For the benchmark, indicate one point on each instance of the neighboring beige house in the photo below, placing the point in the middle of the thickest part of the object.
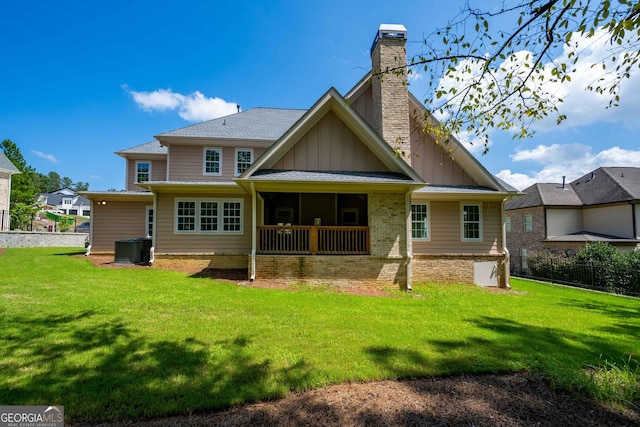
(6, 170)
(350, 191)
(601, 206)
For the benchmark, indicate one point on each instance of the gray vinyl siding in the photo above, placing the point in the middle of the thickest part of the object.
(563, 221)
(117, 221)
(168, 241)
(445, 230)
(615, 220)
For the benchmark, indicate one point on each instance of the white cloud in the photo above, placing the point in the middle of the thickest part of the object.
(570, 160)
(45, 156)
(194, 107)
(580, 105)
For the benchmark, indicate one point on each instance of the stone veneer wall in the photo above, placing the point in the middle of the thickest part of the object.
(5, 178)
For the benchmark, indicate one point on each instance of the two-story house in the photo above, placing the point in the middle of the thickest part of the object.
(352, 190)
(65, 201)
(7, 168)
(601, 206)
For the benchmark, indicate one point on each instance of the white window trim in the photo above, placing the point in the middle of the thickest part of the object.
(204, 161)
(235, 160)
(197, 230)
(480, 229)
(147, 223)
(136, 171)
(428, 225)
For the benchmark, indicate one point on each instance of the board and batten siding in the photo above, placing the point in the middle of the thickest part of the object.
(446, 235)
(158, 172)
(117, 221)
(330, 145)
(168, 241)
(615, 220)
(187, 162)
(563, 221)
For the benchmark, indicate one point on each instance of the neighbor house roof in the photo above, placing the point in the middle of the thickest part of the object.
(545, 194)
(583, 236)
(603, 185)
(6, 165)
(256, 124)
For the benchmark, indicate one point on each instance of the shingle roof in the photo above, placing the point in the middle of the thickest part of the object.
(603, 185)
(584, 236)
(331, 176)
(5, 164)
(608, 185)
(257, 123)
(152, 147)
(545, 194)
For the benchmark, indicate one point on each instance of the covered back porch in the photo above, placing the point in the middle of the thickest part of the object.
(312, 224)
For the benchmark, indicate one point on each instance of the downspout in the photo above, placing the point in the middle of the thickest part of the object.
(152, 251)
(254, 224)
(88, 252)
(408, 236)
(505, 250)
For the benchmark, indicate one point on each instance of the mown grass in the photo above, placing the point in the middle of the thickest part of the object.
(113, 344)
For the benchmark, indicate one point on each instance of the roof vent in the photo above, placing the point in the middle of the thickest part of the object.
(389, 31)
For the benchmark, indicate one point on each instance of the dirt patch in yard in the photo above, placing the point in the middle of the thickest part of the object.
(516, 399)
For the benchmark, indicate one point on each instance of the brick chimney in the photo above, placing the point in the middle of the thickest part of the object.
(389, 84)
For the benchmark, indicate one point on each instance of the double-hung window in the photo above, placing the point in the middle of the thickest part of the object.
(420, 221)
(209, 216)
(143, 171)
(212, 161)
(507, 224)
(527, 220)
(244, 158)
(471, 222)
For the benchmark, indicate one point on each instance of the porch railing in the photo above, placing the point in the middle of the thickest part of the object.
(312, 240)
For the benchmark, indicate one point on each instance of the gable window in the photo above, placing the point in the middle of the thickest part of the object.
(143, 171)
(67, 201)
(527, 220)
(149, 221)
(471, 222)
(420, 221)
(244, 158)
(507, 224)
(212, 164)
(209, 216)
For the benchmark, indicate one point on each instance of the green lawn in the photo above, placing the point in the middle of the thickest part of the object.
(113, 344)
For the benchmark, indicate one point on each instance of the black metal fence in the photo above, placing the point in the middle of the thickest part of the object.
(37, 223)
(4, 220)
(613, 278)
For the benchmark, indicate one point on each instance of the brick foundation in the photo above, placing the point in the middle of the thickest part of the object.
(343, 271)
(202, 261)
(452, 268)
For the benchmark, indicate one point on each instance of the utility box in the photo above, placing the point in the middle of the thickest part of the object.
(132, 251)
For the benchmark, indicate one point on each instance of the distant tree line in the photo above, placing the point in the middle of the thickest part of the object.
(29, 184)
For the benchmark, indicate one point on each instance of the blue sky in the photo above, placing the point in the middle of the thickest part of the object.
(81, 80)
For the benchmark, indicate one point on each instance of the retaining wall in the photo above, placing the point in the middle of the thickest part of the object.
(30, 239)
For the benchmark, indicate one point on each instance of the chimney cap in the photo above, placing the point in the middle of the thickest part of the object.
(389, 31)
